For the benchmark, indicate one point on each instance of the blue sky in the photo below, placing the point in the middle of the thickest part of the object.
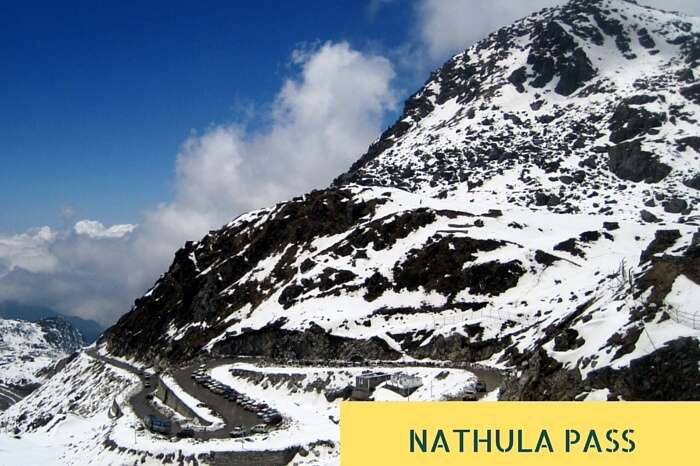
(97, 97)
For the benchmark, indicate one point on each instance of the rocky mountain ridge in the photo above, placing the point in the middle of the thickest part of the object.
(535, 207)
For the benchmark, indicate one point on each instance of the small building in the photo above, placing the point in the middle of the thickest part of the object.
(156, 424)
(404, 384)
(370, 380)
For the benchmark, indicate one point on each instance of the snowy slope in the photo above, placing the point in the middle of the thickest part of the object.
(520, 208)
(28, 347)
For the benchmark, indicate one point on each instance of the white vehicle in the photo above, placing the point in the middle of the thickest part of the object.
(259, 429)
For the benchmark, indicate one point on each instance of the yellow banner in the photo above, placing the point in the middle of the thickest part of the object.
(519, 433)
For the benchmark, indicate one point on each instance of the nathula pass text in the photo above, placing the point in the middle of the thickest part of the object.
(520, 441)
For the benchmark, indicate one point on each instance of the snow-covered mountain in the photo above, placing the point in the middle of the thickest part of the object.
(27, 352)
(535, 208)
(535, 202)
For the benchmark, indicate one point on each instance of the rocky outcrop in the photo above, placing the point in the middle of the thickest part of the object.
(663, 240)
(630, 122)
(629, 162)
(312, 343)
(543, 379)
(668, 374)
(440, 266)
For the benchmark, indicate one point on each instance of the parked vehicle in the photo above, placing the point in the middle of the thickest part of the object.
(239, 431)
(259, 429)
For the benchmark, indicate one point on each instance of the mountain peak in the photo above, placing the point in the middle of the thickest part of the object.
(610, 75)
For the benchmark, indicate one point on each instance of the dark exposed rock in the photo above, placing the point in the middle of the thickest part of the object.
(624, 342)
(640, 99)
(692, 93)
(629, 162)
(555, 53)
(645, 39)
(610, 226)
(589, 236)
(589, 162)
(543, 379)
(675, 205)
(667, 374)
(629, 122)
(544, 258)
(686, 76)
(61, 334)
(290, 294)
(384, 232)
(456, 347)
(648, 217)
(663, 272)
(331, 278)
(690, 141)
(663, 239)
(440, 266)
(691, 50)
(544, 199)
(313, 343)
(517, 78)
(693, 182)
(342, 393)
(570, 246)
(376, 285)
(568, 340)
(613, 27)
(307, 265)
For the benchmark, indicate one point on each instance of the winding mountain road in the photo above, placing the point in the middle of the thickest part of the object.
(139, 402)
(229, 412)
(232, 414)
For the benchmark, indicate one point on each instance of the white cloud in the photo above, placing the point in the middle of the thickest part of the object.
(95, 229)
(323, 119)
(28, 251)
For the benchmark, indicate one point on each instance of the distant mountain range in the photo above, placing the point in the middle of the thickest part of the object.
(27, 352)
(89, 329)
